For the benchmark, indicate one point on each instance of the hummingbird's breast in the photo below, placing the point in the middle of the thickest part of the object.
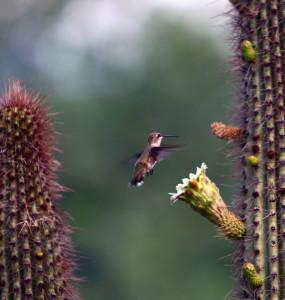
(146, 159)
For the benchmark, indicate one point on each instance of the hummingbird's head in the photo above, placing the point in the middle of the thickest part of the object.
(154, 139)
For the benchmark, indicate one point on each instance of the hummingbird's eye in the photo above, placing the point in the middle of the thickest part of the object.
(159, 135)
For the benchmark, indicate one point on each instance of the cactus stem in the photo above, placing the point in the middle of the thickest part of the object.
(259, 233)
(3, 248)
(35, 249)
(271, 177)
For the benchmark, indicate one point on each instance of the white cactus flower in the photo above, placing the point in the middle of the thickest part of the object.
(180, 188)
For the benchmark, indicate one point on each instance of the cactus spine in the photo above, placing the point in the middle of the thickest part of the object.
(36, 254)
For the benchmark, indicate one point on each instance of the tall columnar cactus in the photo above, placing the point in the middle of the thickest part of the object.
(259, 149)
(36, 254)
(260, 53)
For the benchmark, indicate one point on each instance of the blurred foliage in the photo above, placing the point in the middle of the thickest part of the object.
(134, 244)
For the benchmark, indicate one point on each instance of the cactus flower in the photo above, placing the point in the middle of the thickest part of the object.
(222, 131)
(204, 197)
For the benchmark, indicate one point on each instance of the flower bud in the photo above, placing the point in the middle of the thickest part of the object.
(252, 160)
(204, 197)
(222, 131)
(251, 275)
(248, 51)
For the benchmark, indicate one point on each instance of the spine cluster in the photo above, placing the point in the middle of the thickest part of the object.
(260, 151)
(36, 254)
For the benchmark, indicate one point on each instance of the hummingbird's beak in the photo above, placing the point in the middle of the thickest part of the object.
(167, 135)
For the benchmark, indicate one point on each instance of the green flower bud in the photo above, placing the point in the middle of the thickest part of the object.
(204, 197)
(252, 160)
(251, 275)
(248, 51)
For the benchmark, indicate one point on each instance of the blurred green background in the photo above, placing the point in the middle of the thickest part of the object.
(120, 70)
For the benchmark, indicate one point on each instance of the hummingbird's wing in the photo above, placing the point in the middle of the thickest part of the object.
(162, 152)
(156, 154)
(133, 159)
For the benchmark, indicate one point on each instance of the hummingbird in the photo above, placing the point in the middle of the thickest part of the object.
(153, 153)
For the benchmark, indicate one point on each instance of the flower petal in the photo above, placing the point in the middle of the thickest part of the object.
(185, 181)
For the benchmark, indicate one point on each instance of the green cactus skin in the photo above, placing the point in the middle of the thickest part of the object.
(36, 254)
(260, 115)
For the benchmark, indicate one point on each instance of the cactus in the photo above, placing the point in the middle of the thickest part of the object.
(36, 253)
(260, 29)
(259, 149)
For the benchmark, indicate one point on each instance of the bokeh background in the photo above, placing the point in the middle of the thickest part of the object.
(120, 69)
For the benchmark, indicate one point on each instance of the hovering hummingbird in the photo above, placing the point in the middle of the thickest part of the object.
(153, 153)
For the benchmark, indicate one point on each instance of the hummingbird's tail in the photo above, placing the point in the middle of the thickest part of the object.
(138, 177)
(137, 180)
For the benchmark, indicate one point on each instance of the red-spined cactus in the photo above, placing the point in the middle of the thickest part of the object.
(36, 253)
